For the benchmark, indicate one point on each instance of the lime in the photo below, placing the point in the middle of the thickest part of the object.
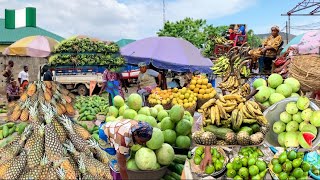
(251, 161)
(221, 159)
(243, 172)
(231, 173)
(210, 169)
(236, 164)
(199, 150)
(282, 157)
(218, 155)
(253, 170)
(197, 160)
(292, 155)
(300, 155)
(214, 151)
(305, 166)
(297, 162)
(261, 165)
(275, 161)
(218, 165)
(297, 173)
(244, 162)
(237, 177)
(256, 177)
(229, 166)
(202, 156)
(283, 176)
(287, 167)
(211, 150)
(277, 168)
(214, 159)
(292, 178)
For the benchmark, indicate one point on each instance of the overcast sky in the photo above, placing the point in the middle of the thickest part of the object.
(136, 19)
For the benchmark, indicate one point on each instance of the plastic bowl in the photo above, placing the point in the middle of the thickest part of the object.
(155, 174)
(273, 115)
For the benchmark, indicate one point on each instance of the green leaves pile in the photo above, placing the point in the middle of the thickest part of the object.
(84, 51)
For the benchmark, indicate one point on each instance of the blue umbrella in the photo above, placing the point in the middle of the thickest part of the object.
(295, 40)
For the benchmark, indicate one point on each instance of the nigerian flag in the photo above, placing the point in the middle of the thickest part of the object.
(20, 18)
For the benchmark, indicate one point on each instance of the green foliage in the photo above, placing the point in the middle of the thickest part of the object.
(253, 40)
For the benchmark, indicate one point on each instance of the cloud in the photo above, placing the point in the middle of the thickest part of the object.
(113, 20)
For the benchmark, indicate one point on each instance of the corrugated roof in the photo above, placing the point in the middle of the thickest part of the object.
(9, 36)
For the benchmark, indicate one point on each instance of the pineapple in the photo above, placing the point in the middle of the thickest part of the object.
(69, 172)
(34, 115)
(49, 172)
(70, 109)
(48, 84)
(11, 150)
(4, 167)
(25, 112)
(85, 174)
(40, 96)
(71, 95)
(47, 95)
(67, 98)
(35, 152)
(35, 173)
(16, 167)
(24, 97)
(62, 135)
(53, 147)
(79, 143)
(32, 88)
(82, 132)
(16, 112)
(98, 152)
(94, 167)
(63, 109)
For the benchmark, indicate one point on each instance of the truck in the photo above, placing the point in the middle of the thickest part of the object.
(78, 78)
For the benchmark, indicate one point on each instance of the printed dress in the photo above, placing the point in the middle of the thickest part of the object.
(113, 83)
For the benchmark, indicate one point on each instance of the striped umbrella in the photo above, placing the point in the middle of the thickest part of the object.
(33, 46)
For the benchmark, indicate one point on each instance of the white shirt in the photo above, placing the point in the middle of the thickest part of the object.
(23, 76)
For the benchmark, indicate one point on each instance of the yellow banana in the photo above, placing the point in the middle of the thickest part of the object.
(217, 116)
(213, 115)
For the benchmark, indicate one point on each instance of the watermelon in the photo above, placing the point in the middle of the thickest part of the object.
(305, 139)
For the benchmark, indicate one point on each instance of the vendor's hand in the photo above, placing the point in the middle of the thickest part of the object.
(206, 161)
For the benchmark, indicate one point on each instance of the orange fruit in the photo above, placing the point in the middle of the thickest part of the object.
(208, 91)
(192, 87)
(205, 81)
(193, 82)
(196, 90)
(199, 81)
(203, 87)
(202, 91)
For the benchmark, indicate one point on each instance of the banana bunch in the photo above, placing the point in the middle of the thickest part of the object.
(230, 84)
(221, 65)
(220, 40)
(243, 90)
(237, 62)
(245, 71)
(231, 111)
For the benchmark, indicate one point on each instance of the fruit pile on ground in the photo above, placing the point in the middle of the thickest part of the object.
(94, 130)
(153, 156)
(3, 108)
(276, 89)
(52, 147)
(159, 96)
(297, 125)
(42, 92)
(201, 87)
(7, 132)
(290, 165)
(175, 123)
(233, 121)
(89, 106)
(247, 168)
(184, 97)
(218, 160)
(251, 151)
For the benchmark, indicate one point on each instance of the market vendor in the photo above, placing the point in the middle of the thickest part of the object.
(269, 50)
(13, 91)
(147, 81)
(124, 134)
(112, 83)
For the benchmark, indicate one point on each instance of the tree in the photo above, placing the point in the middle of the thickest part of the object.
(253, 40)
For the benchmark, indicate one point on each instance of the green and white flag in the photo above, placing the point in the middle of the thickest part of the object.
(20, 18)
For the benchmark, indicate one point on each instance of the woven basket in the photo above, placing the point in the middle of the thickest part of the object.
(306, 69)
(167, 106)
(192, 109)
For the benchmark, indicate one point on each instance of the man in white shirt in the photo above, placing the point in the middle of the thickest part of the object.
(23, 77)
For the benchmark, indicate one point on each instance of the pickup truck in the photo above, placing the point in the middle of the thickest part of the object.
(78, 78)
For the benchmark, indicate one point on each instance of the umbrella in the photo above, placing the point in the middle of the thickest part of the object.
(124, 42)
(33, 46)
(307, 43)
(167, 53)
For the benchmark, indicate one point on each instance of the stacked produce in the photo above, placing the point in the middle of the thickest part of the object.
(232, 119)
(230, 84)
(246, 168)
(276, 89)
(185, 97)
(250, 151)
(218, 159)
(298, 124)
(209, 46)
(93, 131)
(43, 92)
(9, 131)
(159, 96)
(176, 167)
(3, 108)
(89, 106)
(201, 87)
(52, 146)
(244, 90)
(290, 165)
(84, 51)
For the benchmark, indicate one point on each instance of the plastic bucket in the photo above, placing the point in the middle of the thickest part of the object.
(155, 174)
(273, 115)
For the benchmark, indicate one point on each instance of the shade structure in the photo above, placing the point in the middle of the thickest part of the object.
(123, 42)
(307, 43)
(33, 46)
(167, 53)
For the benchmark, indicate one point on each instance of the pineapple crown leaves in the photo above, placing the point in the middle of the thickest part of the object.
(61, 173)
(44, 161)
(69, 146)
(48, 115)
(67, 123)
(33, 110)
(41, 130)
(81, 165)
(93, 143)
(27, 131)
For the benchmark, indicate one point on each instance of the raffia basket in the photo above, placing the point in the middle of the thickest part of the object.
(306, 69)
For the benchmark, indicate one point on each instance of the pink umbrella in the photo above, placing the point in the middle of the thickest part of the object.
(33, 46)
(309, 43)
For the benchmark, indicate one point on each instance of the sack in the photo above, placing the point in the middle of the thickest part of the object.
(280, 61)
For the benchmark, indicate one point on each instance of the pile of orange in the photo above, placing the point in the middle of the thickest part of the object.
(184, 97)
(202, 88)
(159, 96)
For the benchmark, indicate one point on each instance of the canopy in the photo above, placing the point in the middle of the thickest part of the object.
(33, 46)
(307, 43)
(167, 53)
(124, 42)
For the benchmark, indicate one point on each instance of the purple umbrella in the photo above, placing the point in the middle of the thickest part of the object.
(167, 53)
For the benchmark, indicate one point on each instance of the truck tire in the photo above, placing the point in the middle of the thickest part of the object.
(82, 90)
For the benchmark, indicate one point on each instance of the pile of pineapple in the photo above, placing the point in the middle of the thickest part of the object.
(202, 88)
(159, 96)
(52, 146)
